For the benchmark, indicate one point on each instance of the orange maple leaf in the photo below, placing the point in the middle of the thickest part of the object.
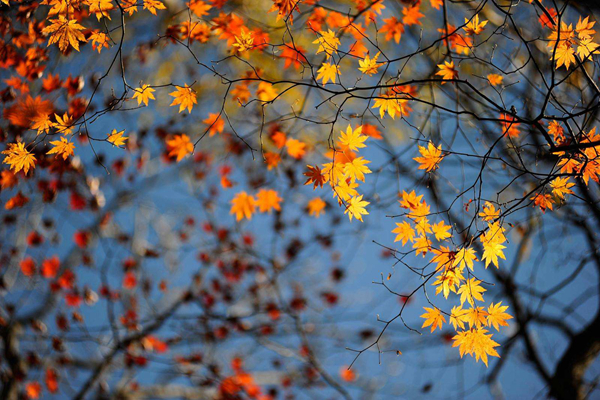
(243, 206)
(180, 146)
(285, 8)
(393, 29)
(267, 200)
(543, 201)
(431, 157)
(215, 123)
(412, 15)
(295, 148)
(65, 32)
(185, 97)
(447, 71)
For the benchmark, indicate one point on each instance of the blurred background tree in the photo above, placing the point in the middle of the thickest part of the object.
(299, 199)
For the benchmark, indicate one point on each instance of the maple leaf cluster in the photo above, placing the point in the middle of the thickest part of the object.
(344, 172)
(244, 205)
(565, 42)
(450, 266)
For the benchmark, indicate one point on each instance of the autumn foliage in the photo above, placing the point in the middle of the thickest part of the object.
(171, 170)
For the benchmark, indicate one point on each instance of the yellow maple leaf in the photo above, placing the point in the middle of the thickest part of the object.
(143, 94)
(62, 148)
(42, 123)
(334, 171)
(564, 55)
(566, 36)
(328, 72)
(410, 200)
(243, 206)
(476, 317)
(419, 212)
(65, 32)
(353, 139)
(245, 41)
(58, 7)
(448, 280)
(476, 342)
(267, 200)
(474, 27)
(389, 103)
(457, 317)
(185, 97)
(419, 217)
(117, 138)
(129, 6)
(328, 43)
(587, 47)
(440, 231)
(357, 168)
(492, 241)
(491, 252)
(356, 208)
(561, 186)
(465, 257)
(470, 291)
(405, 232)
(18, 157)
(180, 146)
(489, 212)
(496, 315)
(447, 71)
(584, 27)
(99, 40)
(153, 5)
(422, 224)
(368, 66)
(443, 257)
(63, 124)
(431, 157)
(422, 245)
(556, 130)
(495, 79)
(100, 7)
(434, 318)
